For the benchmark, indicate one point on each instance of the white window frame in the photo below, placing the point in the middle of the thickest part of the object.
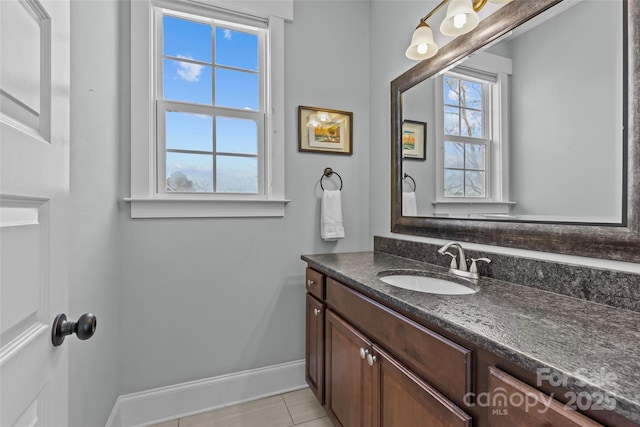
(163, 106)
(146, 199)
(496, 138)
(485, 139)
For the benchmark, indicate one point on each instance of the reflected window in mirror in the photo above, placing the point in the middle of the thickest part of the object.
(466, 136)
(472, 138)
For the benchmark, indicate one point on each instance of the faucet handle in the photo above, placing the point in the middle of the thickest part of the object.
(474, 267)
(454, 263)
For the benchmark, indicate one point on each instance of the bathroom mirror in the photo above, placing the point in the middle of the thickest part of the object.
(590, 210)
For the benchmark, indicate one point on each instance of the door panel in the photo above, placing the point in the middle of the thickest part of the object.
(516, 403)
(403, 399)
(348, 377)
(34, 191)
(315, 347)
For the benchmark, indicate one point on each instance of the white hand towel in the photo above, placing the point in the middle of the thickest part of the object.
(409, 206)
(331, 227)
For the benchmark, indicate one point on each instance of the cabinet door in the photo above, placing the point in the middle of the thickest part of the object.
(403, 399)
(314, 361)
(514, 403)
(348, 376)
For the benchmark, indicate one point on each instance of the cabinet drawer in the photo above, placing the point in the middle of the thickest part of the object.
(516, 403)
(315, 283)
(443, 363)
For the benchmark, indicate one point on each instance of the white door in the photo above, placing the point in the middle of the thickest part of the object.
(34, 192)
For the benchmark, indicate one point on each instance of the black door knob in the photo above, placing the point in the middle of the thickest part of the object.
(84, 328)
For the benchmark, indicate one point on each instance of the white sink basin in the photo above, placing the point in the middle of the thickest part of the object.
(429, 285)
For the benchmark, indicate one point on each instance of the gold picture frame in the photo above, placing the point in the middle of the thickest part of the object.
(414, 140)
(323, 130)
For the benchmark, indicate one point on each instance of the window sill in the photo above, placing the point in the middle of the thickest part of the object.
(469, 207)
(202, 208)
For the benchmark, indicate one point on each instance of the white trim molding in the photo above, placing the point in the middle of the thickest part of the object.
(202, 208)
(260, 8)
(180, 400)
(146, 201)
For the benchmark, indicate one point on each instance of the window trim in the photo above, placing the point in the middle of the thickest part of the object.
(497, 199)
(146, 201)
(486, 139)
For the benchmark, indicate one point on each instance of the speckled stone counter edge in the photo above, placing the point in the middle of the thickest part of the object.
(612, 288)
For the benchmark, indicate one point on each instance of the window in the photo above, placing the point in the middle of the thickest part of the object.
(472, 147)
(466, 140)
(210, 110)
(207, 132)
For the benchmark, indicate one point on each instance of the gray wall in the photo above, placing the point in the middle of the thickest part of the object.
(207, 297)
(418, 104)
(95, 236)
(566, 126)
(180, 300)
(387, 62)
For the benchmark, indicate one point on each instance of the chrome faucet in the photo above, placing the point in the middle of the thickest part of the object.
(460, 268)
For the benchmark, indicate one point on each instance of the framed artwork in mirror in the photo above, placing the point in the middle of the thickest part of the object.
(325, 131)
(414, 140)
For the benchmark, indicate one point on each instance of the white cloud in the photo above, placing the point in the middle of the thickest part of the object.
(227, 34)
(188, 71)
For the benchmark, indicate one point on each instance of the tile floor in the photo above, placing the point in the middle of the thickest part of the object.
(297, 408)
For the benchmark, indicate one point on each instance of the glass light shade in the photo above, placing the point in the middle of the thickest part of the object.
(323, 116)
(312, 121)
(422, 37)
(459, 7)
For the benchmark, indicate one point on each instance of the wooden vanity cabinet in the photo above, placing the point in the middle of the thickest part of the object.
(315, 283)
(348, 377)
(514, 403)
(401, 398)
(371, 366)
(368, 387)
(441, 362)
(314, 352)
(314, 342)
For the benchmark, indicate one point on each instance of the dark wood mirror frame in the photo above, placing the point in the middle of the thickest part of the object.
(615, 242)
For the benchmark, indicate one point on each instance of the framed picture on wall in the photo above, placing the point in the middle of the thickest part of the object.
(324, 130)
(414, 140)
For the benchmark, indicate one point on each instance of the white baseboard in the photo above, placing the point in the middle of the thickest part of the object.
(180, 400)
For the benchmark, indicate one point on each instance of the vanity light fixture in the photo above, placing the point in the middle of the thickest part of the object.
(422, 45)
(317, 119)
(312, 121)
(323, 116)
(462, 17)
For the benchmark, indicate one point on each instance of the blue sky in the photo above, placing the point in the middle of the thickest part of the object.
(191, 82)
(189, 75)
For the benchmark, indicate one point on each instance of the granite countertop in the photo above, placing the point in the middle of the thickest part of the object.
(594, 348)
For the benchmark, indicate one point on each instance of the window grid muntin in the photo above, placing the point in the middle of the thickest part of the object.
(484, 140)
(163, 106)
(465, 169)
(485, 103)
